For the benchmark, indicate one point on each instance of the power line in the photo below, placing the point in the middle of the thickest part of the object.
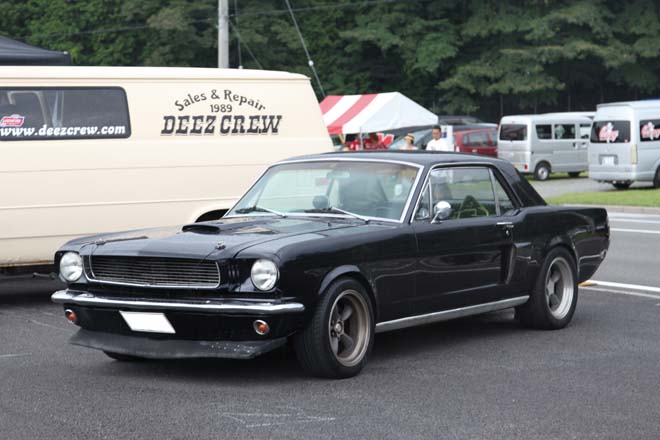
(302, 40)
(240, 40)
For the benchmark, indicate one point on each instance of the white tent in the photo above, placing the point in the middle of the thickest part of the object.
(350, 114)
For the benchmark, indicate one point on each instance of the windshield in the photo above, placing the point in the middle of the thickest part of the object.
(363, 188)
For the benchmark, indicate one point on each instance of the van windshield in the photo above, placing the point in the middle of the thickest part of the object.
(513, 132)
(611, 132)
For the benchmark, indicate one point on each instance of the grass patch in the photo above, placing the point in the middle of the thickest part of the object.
(557, 176)
(630, 197)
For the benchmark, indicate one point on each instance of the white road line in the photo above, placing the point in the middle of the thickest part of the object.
(14, 355)
(640, 231)
(621, 292)
(624, 286)
(630, 220)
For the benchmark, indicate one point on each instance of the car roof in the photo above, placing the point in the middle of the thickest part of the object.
(424, 158)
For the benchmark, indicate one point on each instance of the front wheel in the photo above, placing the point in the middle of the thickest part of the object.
(339, 337)
(542, 171)
(552, 303)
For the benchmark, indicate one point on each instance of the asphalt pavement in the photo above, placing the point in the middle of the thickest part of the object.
(476, 378)
(557, 186)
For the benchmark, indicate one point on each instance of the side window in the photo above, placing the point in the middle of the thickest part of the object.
(585, 130)
(564, 131)
(469, 192)
(46, 113)
(503, 199)
(649, 130)
(543, 132)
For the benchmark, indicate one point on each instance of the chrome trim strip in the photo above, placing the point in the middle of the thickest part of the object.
(404, 212)
(445, 315)
(93, 279)
(87, 299)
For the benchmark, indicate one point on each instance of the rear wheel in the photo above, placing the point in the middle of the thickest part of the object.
(574, 174)
(621, 185)
(542, 171)
(123, 357)
(338, 339)
(656, 179)
(552, 303)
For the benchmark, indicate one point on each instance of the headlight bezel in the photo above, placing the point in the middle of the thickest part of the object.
(264, 267)
(74, 260)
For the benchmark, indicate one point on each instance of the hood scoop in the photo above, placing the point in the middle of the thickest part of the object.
(201, 228)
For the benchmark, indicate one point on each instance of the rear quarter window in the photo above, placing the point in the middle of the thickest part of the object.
(649, 130)
(48, 113)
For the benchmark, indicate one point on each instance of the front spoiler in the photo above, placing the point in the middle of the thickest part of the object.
(144, 347)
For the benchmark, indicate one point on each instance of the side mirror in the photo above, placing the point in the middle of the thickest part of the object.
(441, 211)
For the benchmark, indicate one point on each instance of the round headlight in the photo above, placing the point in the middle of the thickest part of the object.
(264, 274)
(71, 266)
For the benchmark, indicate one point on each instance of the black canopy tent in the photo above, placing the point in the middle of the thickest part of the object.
(15, 53)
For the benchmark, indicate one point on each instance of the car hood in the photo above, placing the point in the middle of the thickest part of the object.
(218, 239)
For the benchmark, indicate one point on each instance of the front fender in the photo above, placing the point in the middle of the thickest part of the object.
(354, 271)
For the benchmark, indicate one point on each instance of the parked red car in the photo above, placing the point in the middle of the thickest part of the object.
(480, 141)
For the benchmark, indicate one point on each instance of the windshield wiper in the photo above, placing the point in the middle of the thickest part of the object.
(340, 211)
(256, 208)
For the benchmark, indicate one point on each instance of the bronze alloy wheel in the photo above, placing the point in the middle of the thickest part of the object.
(349, 328)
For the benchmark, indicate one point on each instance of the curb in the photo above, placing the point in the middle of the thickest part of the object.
(628, 209)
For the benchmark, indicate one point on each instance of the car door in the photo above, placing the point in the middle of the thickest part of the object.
(465, 258)
(566, 147)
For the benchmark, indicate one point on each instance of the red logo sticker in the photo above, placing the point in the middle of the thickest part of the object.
(650, 132)
(12, 121)
(607, 133)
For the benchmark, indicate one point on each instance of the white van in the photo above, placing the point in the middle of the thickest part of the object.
(625, 143)
(87, 150)
(544, 144)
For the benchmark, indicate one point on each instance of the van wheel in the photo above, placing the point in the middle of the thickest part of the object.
(339, 337)
(552, 303)
(213, 215)
(542, 171)
(656, 179)
(574, 174)
(623, 185)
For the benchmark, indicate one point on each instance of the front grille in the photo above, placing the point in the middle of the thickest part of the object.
(153, 271)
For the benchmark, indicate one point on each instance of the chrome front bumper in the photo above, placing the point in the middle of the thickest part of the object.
(86, 299)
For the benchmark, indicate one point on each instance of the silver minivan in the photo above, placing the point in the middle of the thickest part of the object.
(625, 143)
(544, 144)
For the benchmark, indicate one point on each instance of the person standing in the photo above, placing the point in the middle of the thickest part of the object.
(438, 143)
(409, 140)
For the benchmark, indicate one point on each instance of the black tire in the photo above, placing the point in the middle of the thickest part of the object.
(123, 357)
(537, 312)
(542, 171)
(621, 185)
(313, 345)
(574, 174)
(656, 178)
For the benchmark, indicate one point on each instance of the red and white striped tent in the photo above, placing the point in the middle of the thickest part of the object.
(351, 114)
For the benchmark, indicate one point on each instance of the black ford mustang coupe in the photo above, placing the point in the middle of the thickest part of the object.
(327, 251)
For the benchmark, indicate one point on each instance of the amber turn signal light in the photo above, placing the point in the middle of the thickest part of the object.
(261, 327)
(71, 316)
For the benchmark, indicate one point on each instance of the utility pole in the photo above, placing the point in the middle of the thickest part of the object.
(223, 33)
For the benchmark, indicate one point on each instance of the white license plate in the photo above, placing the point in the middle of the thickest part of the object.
(148, 322)
(607, 160)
